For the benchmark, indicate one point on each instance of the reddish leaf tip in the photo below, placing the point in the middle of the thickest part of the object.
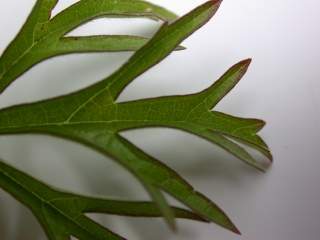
(246, 62)
(236, 230)
(216, 2)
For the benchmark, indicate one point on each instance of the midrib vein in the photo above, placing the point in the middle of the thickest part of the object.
(44, 201)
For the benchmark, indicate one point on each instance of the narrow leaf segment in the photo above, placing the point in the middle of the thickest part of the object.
(43, 37)
(62, 214)
(94, 118)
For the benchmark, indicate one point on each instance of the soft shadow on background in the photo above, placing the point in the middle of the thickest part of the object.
(78, 169)
(282, 87)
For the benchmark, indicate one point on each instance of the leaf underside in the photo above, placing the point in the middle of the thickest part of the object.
(93, 117)
(62, 214)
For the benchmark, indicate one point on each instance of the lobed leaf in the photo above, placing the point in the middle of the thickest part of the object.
(62, 214)
(93, 118)
(42, 37)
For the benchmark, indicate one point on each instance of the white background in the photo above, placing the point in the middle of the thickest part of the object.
(282, 87)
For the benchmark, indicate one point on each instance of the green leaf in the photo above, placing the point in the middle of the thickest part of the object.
(42, 37)
(62, 214)
(93, 117)
(106, 43)
(162, 204)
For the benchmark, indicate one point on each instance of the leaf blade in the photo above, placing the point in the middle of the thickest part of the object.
(93, 118)
(163, 205)
(39, 36)
(53, 208)
(70, 18)
(103, 43)
(182, 28)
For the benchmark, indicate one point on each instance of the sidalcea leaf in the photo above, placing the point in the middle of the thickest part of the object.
(62, 214)
(93, 117)
(43, 37)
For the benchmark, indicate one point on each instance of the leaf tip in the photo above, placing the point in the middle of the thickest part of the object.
(216, 2)
(245, 63)
(242, 67)
(171, 223)
(232, 227)
(270, 156)
(180, 48)
(235, 230)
